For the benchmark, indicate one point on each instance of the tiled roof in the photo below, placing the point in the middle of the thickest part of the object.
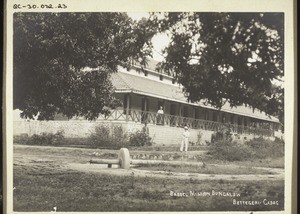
(119, 82)
(127, 81)
(247, 111)
(142, 85)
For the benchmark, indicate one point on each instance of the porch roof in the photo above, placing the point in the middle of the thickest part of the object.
(130, 83)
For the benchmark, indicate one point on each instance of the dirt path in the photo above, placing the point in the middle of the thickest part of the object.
(102, 169)
(51, 159)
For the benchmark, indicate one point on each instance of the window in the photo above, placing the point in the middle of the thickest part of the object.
(239, 121)
(223, 118)
(161, 77)
(145, 106)
(185, 111)
(232, 119)
(173, 109)
(215, 116)
(173, 112)
(197, 115)
(206, 115)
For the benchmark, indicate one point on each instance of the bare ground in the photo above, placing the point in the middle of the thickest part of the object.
(47, 177)
(45, 159)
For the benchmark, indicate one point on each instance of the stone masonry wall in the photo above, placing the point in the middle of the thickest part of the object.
(160, 134)
(173, 135)
(81, 128)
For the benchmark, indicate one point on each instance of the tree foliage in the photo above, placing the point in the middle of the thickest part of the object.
(217, 57)
(53, 50)
(226, 57)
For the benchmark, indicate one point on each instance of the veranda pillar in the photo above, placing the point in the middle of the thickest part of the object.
(127, 106)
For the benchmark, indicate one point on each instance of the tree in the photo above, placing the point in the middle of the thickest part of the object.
(53, 50)
(226, 57)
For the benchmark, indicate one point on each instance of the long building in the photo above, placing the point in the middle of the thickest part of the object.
(144, 91)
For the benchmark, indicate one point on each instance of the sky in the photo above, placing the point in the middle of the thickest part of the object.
(159, 41)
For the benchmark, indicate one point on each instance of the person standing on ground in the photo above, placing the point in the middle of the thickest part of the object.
(185, 139)
(146, 129)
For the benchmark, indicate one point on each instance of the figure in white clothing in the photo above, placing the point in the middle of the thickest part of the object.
(160, 116)
(185, 139)
(160, 110)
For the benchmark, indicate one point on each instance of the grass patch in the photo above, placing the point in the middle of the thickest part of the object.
(95, 192)
(206, 169)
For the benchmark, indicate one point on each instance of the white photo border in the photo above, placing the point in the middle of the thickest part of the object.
(285, 6)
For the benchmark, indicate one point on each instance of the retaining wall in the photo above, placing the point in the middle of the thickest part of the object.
(81, 128)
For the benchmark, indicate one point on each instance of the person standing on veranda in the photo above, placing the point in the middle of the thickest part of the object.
(185, 139)
(160, 116)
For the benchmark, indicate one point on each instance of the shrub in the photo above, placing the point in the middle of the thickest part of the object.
(100, 136)
(116, 137)
(199, 138)
(47, 138)
(21, 139)
(257, 148)
(119, 136)
(103, 136)
(223, 134)
(229, 151)
(263, 148)
(41, 139)
(140, 138)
